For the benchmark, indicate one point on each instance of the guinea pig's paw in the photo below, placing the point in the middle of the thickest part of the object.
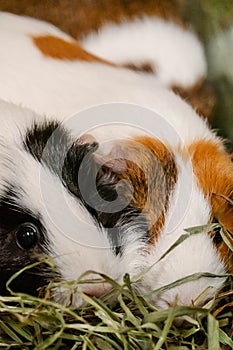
(191, 274)
(196, 292)
(189, 294)
(75, 294)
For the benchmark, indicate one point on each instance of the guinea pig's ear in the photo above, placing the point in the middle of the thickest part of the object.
(93, 175)
(117, 161)
(115, 155)
(148, 171)
(115, 164)
(112, 160)
(85, 139)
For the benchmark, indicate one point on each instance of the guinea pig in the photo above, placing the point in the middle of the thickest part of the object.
(103, 169)
(150, 36)
(167, 49)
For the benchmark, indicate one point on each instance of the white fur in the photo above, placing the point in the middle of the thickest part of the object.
(188, 208)
(195, 255)
(175, 53)
(69, 87)
(61, 88)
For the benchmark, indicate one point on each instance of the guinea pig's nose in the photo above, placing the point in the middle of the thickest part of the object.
(97, 290)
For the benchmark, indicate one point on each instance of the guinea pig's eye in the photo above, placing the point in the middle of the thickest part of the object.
(217, 238)
(26, 236)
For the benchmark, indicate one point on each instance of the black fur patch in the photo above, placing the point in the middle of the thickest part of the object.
(37, 138)
(13, 258)
(100, 200)
(49, 143)
(52, 145)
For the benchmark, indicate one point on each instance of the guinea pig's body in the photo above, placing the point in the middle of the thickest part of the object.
(133, 129)
(150, 36)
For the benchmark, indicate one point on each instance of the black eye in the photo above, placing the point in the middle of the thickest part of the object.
(26, 236)
(217, 238)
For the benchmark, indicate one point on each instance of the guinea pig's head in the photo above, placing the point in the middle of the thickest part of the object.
(112, 212)
(49, 206)
(176, 189)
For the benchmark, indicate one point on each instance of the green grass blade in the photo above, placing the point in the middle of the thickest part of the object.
(213, 333)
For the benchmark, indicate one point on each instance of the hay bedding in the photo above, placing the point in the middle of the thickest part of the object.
(119, 320)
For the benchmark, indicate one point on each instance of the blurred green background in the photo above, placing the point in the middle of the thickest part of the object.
(213, 21)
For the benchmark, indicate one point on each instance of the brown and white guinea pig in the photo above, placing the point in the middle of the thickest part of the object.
(103, 169)
(154, 38)
(150, 36)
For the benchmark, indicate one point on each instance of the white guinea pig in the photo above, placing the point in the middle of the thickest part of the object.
(111, 187)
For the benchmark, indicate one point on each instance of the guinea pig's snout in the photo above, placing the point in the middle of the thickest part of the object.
(163, 303)
(96, 290)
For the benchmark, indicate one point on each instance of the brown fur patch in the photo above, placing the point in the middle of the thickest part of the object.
(214, 170)
(145, 67)
(153, 174)
(201, 96)
(79, 18)
(57, 48)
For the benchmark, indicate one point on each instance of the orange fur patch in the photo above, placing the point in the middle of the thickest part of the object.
(153, 174)
(214, 170)
(57, 48)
